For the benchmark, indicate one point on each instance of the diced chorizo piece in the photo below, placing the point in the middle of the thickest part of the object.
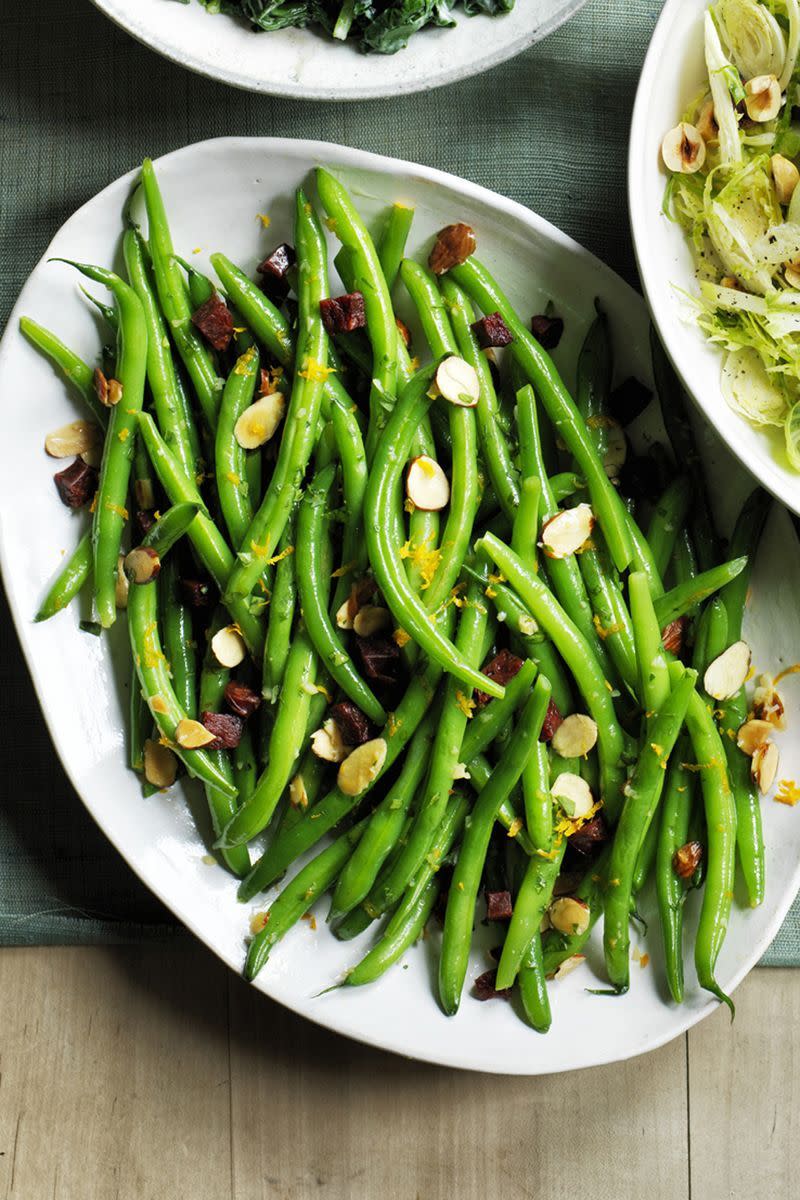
(353, 724)
(492, 331)
(343, 314)
(241, 699)
(501, 668)
(547, 330)
(227, 730)
(485, 989)
(499, 906)
(76, 484)
(215, 322)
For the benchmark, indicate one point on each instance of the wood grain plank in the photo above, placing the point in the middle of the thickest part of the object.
(745, 1093)
(314, 1115)
(114, 1074)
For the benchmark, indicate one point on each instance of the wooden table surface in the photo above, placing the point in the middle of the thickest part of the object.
(152, 1073)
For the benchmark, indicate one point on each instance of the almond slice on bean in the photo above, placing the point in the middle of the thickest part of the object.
(228, 646)
(458, 382)
(191, 735)
(79, 437)
(573, 794)
(726, 674)
(753, 734)
(575, 736)
(121, 584)
(345, 615)
(160, 764)
(569, 965)
(361, 766)
(764, 766)
(371, 619)
(298, 796)
(258, 423)
(327, 743)
(566, 532)
(427, 486)
(142, 564)
(568, 915)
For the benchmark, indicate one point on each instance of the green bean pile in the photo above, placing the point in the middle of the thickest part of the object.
(422, 632)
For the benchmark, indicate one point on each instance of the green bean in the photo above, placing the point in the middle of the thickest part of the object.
(593, 381)
(384, 826)
(75, 370)
(285, 744)
(179, 644)
(312, 584)
(281, 617)
(564, 416)
(579, 657)
(564, 573)
(533, 643)
(110, 513)
(151, 665)
(245, 766)
(463, 892)
(407, 609)
(170, 402)
(557, 948)
(393, 241)
(676, 804)
(334, 807)
(650, 653)
(642, 559)
(533, 987)
(175, 306)
(480, 770)
(611, 617)
(537, 798)
(298, 897)
(200, 287)
(642, 795)
(565, 484)
(674, 411)
(209, 544)
(530, 904)
(359, 919)
(667, 521)
(408, 920)
(749, 833)
(230, 460)
(352, 233)
(300, 424)
(645, 859)
(350, 448)
(685, 595)
(69, 580)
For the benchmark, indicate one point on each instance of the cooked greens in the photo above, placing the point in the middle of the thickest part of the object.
(380, 26)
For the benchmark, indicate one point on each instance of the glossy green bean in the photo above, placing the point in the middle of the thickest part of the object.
(69, 581)
(533, 987)
(281, 617)
(530, 904)
(393, 241)
(667, 521)
(651, 656)
(76, 372)
(686, 595)
(179, 644)
(230, 460)
(676, 805)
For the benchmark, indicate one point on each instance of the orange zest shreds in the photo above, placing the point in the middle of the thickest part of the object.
(750, 674)
(330, 223)
(788, 793)
(515, 827)
(608, 685)
(233, 478)
(158, 704)
(243, 364)
(344, 570)
(657, 750)
(414, 364)
(156, 515)
(460, 885)
(426, 559)
(490, 592)
(118, 509)
(165, 741)
(401, 637)
(392, 725)
(497, 577)
(93, 505)
(124, 434)
(569, 825)
(258, 921)
(315, 371)
(409, 505)
(312, 921)
(644, 960)
(550, 854)
(278, 557)
(793, 670)
(466, 704)
(264, 219)
(260, 551)
(323, 691)
(197, 250)
(603, 631)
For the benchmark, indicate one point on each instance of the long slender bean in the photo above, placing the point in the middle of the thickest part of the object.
(77, 373)
(676, 805)
(69, 581)
(230, 460)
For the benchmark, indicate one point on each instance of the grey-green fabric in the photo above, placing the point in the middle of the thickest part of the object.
(80, 103)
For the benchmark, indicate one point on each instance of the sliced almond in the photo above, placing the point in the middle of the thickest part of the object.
(764, 766)
(427, 486)
(753, 734)
(298, 796)
(160, 764)
(762, 98)
(575, 736)
(786, 177)
(726, 674)
(569, 965)
(616, 449)
(258, 423)
(228, 646)
(344, 615)
(142, 564)
(191, 735)
(767, 704)
(573, 794)
(569, 915)
(121, 584)
(327, 743)
(108, 391)
(458, 382)
(93, 457)
(371, 619)
(79, 437)
(683, 149)
(566, 532)
(361, 766)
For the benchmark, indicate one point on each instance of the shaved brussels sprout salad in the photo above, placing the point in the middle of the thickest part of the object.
(733, 174)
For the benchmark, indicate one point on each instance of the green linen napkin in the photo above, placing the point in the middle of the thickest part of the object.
(81, 103)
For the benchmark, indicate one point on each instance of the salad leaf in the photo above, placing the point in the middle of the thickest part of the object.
(751, 37)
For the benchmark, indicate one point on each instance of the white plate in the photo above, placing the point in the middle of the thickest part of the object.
(674, 72)
(214, 191)
(310, 65)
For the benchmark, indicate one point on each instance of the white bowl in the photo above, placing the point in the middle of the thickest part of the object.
(674, 72)
(310, 65)
(213, 192)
